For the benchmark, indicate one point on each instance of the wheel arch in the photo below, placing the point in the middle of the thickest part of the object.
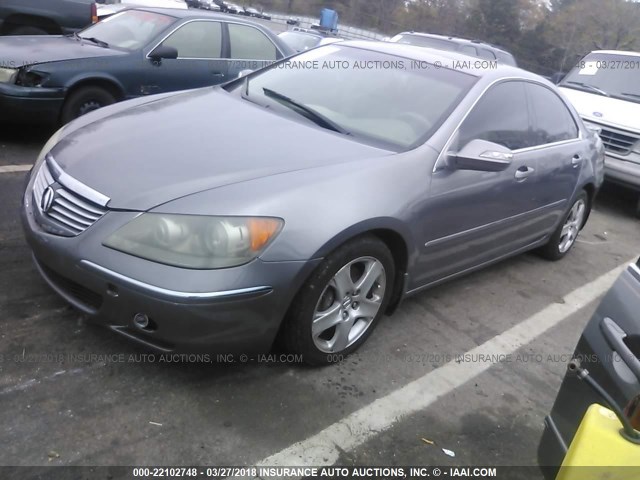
(592, 191)
(110, 84)
(394, 234)
(26, 20)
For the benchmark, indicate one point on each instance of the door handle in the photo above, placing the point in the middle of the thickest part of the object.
(217, 74)
(523, 172)
(615, 337)
(576, 160)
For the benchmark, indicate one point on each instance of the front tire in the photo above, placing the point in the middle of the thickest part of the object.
(564, 238)
(340, 304)
(85, 100)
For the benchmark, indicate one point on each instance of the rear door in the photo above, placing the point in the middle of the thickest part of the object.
(609, 349)
(249, 49)
(561, 151)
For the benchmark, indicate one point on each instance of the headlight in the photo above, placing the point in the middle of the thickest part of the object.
(8, 75)
(30, 78)
(195, 241)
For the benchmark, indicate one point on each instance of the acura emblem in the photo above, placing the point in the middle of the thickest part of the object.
(47, 199)
(598, 114)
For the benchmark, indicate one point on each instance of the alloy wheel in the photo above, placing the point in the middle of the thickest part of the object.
(572, 225)
(348, 304)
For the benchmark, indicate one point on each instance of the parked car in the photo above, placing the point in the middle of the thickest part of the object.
(211, 5)
(344, 207)
(137, 52)
(251, 12)
(53, 17)
(473, 48)
(609, 349)
(293, 21)
(605, 89)
(302, 40)
(233, 8)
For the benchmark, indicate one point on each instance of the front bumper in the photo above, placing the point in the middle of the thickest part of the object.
(30, 105)
(236, 310)
(622, 171)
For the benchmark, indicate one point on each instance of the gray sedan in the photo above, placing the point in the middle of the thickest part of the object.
(374, 172)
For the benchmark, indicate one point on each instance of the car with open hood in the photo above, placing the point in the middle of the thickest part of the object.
(134, 53)
(186, 238)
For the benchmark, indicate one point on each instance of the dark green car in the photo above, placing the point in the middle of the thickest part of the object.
(138, 52)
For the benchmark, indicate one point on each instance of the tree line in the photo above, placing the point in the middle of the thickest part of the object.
(546, 36)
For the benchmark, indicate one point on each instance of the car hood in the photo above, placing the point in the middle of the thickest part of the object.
(20, 51)
(151, 153)
(605, 110)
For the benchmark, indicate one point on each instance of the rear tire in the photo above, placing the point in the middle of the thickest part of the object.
(564, 238)
(85, 100)
(341, 303)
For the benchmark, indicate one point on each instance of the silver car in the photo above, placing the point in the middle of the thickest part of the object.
(326, 188)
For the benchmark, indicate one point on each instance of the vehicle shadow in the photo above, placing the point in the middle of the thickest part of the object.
(25, 134)
(616, 200)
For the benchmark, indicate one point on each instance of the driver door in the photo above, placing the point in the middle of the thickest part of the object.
(475, 217)
(200, 45)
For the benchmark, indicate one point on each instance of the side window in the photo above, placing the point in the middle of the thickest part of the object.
(501, 116)
(197, 40)
(249, 43)
(553, 120)
(469, 50)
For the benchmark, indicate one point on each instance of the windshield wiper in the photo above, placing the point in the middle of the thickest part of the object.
(75, 36)
(98, 42)
(634, 95)
(308, 112)
(588, 87)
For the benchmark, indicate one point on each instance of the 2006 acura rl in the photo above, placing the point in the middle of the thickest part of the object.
(369, 182)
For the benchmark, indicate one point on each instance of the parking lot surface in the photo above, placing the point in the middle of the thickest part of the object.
(76, 394)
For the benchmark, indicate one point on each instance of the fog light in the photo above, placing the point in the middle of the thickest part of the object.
(141, 320)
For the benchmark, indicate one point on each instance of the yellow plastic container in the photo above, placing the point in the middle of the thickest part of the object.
(599, 452)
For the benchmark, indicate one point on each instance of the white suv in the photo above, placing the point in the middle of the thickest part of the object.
(605, 90)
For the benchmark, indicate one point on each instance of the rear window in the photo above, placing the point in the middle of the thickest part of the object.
(421, 41)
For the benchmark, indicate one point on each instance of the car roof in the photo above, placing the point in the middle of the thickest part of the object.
(463, 63)
(618, 52)
(456, 40)
(197, 13)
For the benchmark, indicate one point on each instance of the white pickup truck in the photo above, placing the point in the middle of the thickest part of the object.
(605, 90)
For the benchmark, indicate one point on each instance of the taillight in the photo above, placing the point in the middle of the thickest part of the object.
(94, 13)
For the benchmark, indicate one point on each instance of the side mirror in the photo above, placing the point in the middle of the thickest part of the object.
(482, 156)
(163, 51)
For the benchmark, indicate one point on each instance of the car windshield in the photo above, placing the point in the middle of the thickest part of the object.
(300, 41)
(372, 97)
(610, 75)
(129, 30)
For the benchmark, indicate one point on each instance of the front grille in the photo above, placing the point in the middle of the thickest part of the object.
(68, 209)
(619, 141)
(73, 289)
